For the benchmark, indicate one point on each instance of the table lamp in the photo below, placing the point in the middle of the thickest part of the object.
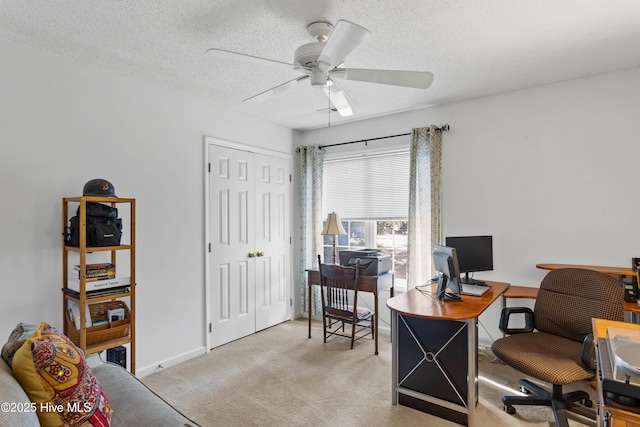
(333, 227)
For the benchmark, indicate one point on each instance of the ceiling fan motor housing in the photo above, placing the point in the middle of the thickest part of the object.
(307, 54)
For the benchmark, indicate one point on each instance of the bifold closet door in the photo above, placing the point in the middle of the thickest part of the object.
(249, 199)
(231, 224)
(272, 240)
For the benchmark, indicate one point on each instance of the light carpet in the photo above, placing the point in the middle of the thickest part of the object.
(279, 377)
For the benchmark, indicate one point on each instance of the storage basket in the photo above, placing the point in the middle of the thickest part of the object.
(104, 331)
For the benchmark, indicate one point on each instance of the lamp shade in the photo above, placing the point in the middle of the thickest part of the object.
(333, 226)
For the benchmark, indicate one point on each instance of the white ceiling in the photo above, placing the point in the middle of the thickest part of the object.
(474, 48)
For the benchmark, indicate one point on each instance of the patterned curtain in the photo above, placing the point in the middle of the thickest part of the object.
(424, 202)
(310, 213)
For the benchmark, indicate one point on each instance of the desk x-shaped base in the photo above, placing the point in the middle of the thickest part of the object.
(433, 364)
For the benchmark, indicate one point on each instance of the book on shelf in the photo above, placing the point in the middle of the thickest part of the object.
(97, 278)
(97, 271)
(100, 293)
(115, 315)
(95, 266)
(74, 314)
(99, 266)
(96, 285)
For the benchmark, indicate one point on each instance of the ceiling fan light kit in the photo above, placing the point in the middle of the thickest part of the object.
(339, 101)
(322, 60)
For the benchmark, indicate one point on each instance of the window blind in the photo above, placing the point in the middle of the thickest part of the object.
(367, 187)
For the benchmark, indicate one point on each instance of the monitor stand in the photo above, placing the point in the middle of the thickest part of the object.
(470, 281)
(441, 292)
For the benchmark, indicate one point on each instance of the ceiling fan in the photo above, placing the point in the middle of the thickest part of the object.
(321, 62)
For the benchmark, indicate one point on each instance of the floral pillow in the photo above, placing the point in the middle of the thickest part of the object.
(56, 377)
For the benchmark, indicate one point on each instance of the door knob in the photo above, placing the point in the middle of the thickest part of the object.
(260, 253)
(251, 254)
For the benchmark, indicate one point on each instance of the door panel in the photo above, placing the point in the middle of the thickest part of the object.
(232, 286)
(224, 300)
(272, 202)
(263, 270)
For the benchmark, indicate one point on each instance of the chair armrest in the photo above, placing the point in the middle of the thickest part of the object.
(506, 314)
(588, 356)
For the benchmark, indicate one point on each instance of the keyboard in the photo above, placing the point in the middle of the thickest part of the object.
(475, 290)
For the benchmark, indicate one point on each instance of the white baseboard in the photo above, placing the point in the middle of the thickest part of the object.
(384, 330)
(163, 364)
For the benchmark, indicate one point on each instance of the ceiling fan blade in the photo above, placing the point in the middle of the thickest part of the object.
(414, 79)
(222, 53)
(339, 99)
(276, 90)
(344, 38)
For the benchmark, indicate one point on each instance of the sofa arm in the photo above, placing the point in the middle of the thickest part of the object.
(135, 404)
(12, 393)
(506, 314)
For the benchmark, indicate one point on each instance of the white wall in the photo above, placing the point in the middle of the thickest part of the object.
(551, 172)
(63, 123)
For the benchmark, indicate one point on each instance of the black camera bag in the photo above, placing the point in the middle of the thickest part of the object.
(104, 228)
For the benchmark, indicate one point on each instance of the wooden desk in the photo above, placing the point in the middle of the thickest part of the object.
(525, 292)
(521, 292)
(611, 413)
(532, 293)
(435, 351)
(616, 271)
(372, 284)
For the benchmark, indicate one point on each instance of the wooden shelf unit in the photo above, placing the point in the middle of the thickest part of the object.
(84, 252)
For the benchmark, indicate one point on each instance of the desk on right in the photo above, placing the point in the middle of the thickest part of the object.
(532, 293)
(616, 271)
(611, 413)
(529, 292)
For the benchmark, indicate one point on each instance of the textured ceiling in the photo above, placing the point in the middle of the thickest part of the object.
(474, 48)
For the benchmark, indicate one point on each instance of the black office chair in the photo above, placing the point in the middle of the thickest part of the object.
(556, 343)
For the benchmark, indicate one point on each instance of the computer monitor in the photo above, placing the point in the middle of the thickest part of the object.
(475, 253)
(445, 261)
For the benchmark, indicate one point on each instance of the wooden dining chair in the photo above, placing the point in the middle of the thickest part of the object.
(339, 294)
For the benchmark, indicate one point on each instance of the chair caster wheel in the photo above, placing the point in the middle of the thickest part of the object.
(588, 403)
(510, 410)
(524, 390)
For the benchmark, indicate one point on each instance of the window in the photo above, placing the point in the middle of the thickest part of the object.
(390, 236)
(371, 196)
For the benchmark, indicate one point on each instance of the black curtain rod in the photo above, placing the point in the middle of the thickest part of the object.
(443, 128)
(365, 140)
